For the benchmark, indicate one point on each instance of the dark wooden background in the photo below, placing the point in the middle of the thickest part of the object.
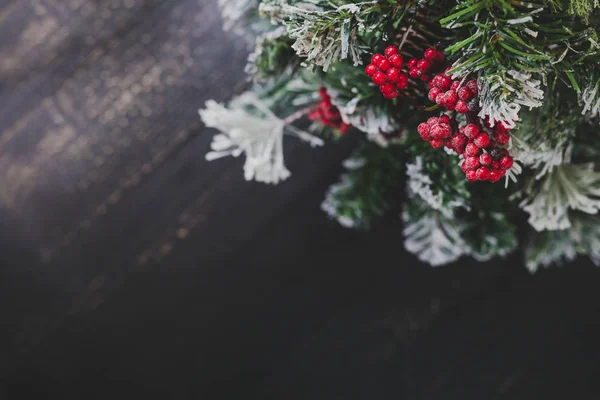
(132, 268)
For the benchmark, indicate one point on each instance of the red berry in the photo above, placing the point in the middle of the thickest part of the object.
(391, 50)
(431, 54)
(391, 95)
(439, 99)
(464, 94)
(433, 92)
(472, 86)
(482, 140)
(412, 63)
(439, 57)
(471, 149)
(495, 175)
(462, 129)
(463, 166)
(504, 152)
(483, 173)
(370, 69)
(431, 121)
(471, 175)
(444, 82)
(423, 65)
(415, 72)
(485, 159)
(471, 131)
(392, 74)
(458, 141)
(430, 84)
(379, 78)
(436, 143)
(396, 60)
(448, 143)
(384, 64)
(506, 162)
(344, 127)
(472, 162)
(402, 80)
(461, 107)
(425, 77)
(376, 58)
(502, 137)
(496, 164)
(450, 98)
(445, 119)
(423, 130)
(323, 93)
(459, 150)
(387, 88)
(437, 132)
(314, 115)
(455, 85)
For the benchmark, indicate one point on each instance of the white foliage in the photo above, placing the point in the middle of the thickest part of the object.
(549, 248)
(434, 238)
(501, 96)
(258, 134)
(303, 21)
(372, 121)
(421, 184)
(543, 157)
(591, 100)
(566, 187)
(329, 206)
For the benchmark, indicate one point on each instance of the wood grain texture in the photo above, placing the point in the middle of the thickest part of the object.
(131, 267)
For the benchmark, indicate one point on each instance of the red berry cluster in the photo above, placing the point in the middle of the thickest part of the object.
(484, 158)
(386, 70)
(450, 95)
(328, 114)
(435, 130)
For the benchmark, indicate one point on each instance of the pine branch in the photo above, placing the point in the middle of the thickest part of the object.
(369, 188)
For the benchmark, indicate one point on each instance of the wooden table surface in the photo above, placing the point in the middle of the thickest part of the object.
(131, 267)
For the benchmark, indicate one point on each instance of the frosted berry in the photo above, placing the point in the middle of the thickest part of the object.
(439, 99)
(415, 73)
(379, 78)
(431, 54)
(471, 175)
(502, 137)
(455, 85)
(450, 98)
(436, 143)
(445, 119)
(483, 173)
(461, 107)
(424, 65)
(412, 63)
(464, 94)
(472, 162)
(471, 131)
(444, 82)
(482, 140)
(472, 86)
(506, 162)
(370, 69)
(384, 64)
(423, 130)
(391, 50)
(433, 92)
(448, 144)
(393, 74)
(496, 164)
(396, 60)
(439, 57)
(463, 166)
(458, 141)
(485, 159)
(437, 132)
(433, 121)
(471, 149)
(425, 77)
